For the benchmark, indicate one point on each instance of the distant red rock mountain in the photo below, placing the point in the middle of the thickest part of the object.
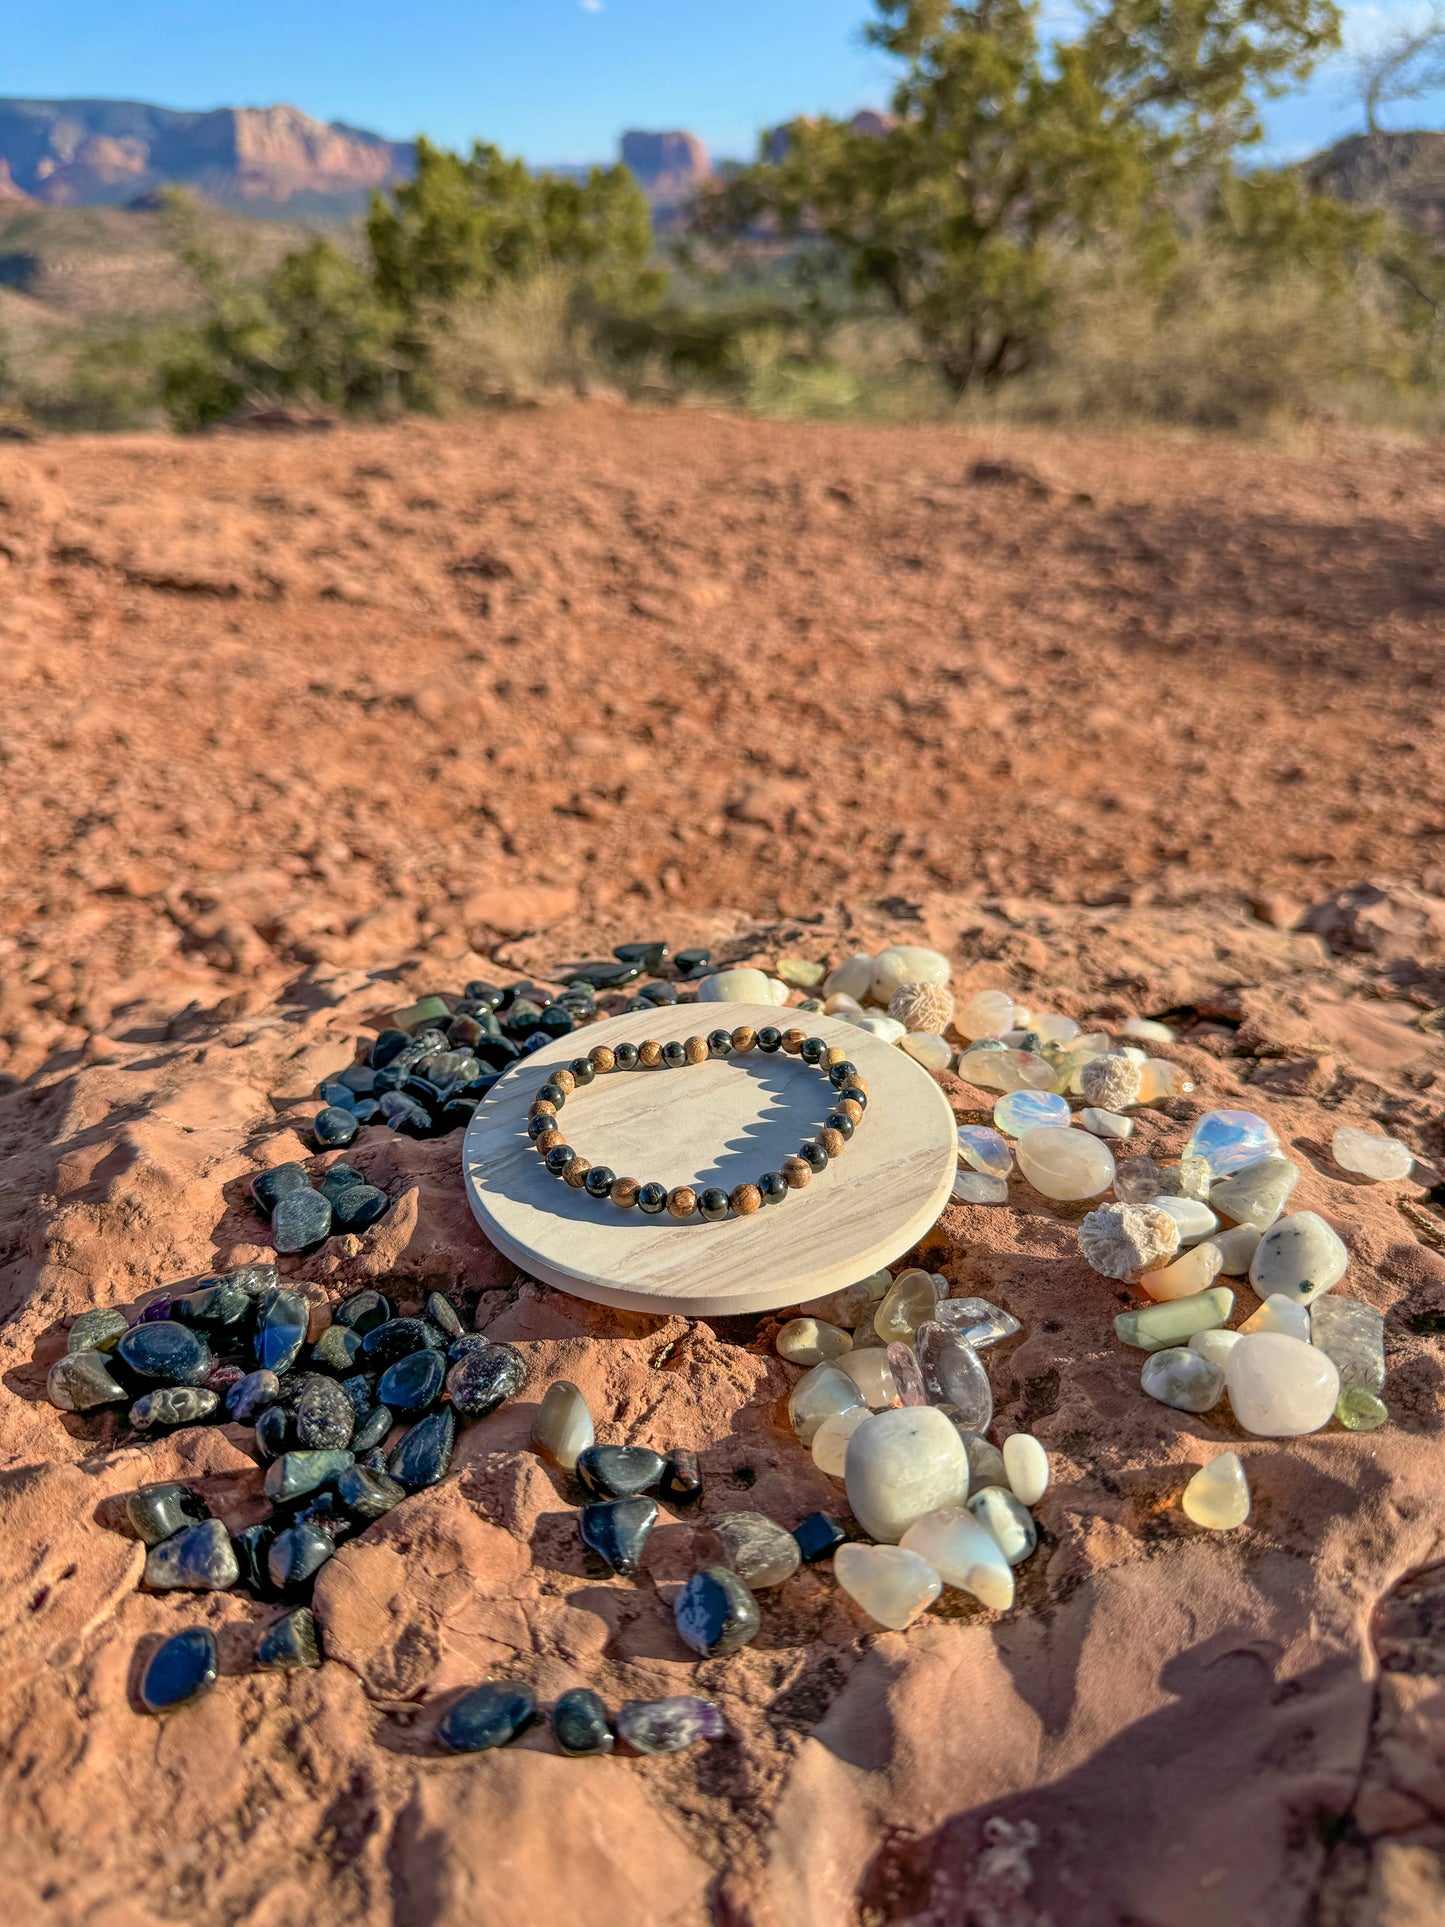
(670, 167)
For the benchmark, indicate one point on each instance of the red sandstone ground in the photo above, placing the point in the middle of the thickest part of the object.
(292, 728)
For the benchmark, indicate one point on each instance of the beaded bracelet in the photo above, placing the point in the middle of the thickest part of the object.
(712, 1202)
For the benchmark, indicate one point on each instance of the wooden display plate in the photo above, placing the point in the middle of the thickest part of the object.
(723, 1123)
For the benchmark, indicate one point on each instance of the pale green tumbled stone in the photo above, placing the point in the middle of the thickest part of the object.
(1257, 1194)
(1184, 1378)
(1301, 1256)
(1279, 1314)
(808, 1341)
(1175, 1321)
(1360, 1411)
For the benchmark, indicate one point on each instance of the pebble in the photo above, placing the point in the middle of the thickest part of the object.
(1026, 1464)
(934, 1053)
(414, 1383)
(1215, 1344)
(1018, 1112)
(1125, 1240)
(1218, 1495)
(905, 963)
(668, 1725)
(1280, 1387)
(301, 1221)
(742, 987)
(900, 1465)
(1152, 1327)
(273, 1185)
(282, 1319)
(1352, 1335)
(172, 1405)
(1195, 1220)
(617, 1530)
(158, 1512)
(480, 1381)
(891, 1584)
(1257, 1194)
(1236, 1247)
(953, 1375)
(987, 1013)
(808, 1341)
(297, 1554)
(334, 1127)
(1360, 1411)
(1301, 1256)
(619, 1471)
(80, 1381)
(818, 1536)
(1279, 1314)
(1179, 1376)
(1370, 1155)
(1011, 1071)
(1194, 1272)
(579, 1724)
(963, 1554)
(295, 1474)
(165, 1352)
(97, 1331)
(273, 1431)
(288, 1644)
(424, 1453)
(715, 1612)
(198, 1558)
(909, 1302)
(337, 1350)
(852, 978)
(325, 1417)
(830, 1441)
(871, 1371)
(1066, 1165)
(563, 1428)
(1105, 1123)
(819, 1394)
(181, 1669)
(371, 1430)
(489, 1715)
(384, 1344)
(1006, 1521)
(1230, 1140)
(976, 1187)
(363, 1311)
(801, 972)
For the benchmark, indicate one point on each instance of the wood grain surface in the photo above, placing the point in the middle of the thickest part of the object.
(723, 1122)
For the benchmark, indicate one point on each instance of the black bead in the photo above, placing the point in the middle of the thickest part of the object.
(181, 1669)
(579, 1724)
(487, 1716)
(716, 1613)
(812, 1153)
(599, 1181)
(425, 1451)
(273, 1185)
(541, 1121)
(682, 1480)
(558, 1158)
(673, 1054)
(552, 1094)
(770, 1038)
(719, 1043)
(625, 1056)
(163, 1352)
(652, 1198)
(774, 1187)
(583, 1070)
(333, 1128)
(839, 1074)
(838, 1121)
(860, 1098)
(713, 1204)
(619, 1471)
(818, 1535)
(414, 1383)
(617, 1531)
(812, 1050)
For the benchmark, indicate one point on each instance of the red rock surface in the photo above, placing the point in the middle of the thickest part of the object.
(257, 795)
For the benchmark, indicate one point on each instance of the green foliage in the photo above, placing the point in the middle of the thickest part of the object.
(1002, 154)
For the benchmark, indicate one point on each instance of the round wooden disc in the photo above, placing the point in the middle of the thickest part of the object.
(724, 1123)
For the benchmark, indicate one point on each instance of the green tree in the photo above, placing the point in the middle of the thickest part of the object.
(1003, 150)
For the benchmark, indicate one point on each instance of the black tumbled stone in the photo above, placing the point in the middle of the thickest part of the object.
(388, 1044)
(384, 1344)
(325, 1417)
(281, 1320)
(363, 1311)
(414, 1383)
(487, 1716)
(337, 1180)
(619, 1471)
(818, 1536)
(251, 1394)
(651, 956)
(334, 1128)
(296, 1474)
(425, 1452)
(610, 974)
(198, 1558)
(690, 963)
(481, 1379)
(715, 1612)
(163, 1352)
(288, 1643)
(272, 1185)
(301, 1221)
(216, 1308)
(358, 1207)
(366, 1494)
(617, 1530)
(297, 1555)
(162, 1510)
(658, 994)
(580, 1725)
(252, 1547)
(443, 1314)
(172, 1405)
(274, 1434)
(681, 1482)
(181, 1669)
(371, 1428)
(336, 1350)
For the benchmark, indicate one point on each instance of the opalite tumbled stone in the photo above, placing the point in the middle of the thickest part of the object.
(909, 1304)
(869, 1368)
(1195, 1220)
(1066, 1165)
(925, 1048)
(1280, 1387)
(819, 1394)
(1019, 1111)
(1174, 1322)
(1279, 1314)
(892, 1586)
(1360, 1411)
(1027, 1466)
(830, 1441)
(1006, 1521)
(1256, 1195)
(1301, 1256)
(987, 1013)
(563, 1428)
(976, 1187)
(1218, 1494)
(1194, 1271)
(1230, 1140)
(741, 987)
(1105, 1123)
(851, 978)
(975, 1321)
(1353, 1335)
(1215, 1345)
(1371, 1155)
(1183, 1378)
(1006, 1070)
(902, 1464)
(906, 963)
(808, 1341)
(953, 1375)
(1236, 1247)
(984, 1149)
(964, 1554)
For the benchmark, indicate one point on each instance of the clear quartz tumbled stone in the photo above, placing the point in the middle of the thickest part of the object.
(1369, 1155)
(975, 1321)
(907, 1305)
(953, 1375)
(987, 1013)
(976, 1187)
(1353, 1335)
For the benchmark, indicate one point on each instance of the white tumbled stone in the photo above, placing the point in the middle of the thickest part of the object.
(1370, 1155)
(902, 1464)
(1195, 1220)
(906, 963)
(1158, 1077)
(925, 1048)
(888, 1029)
(1280, 1387)
(1300, 1256)
(1065, 1164)
(1184, 1378)
(1257, 1194)
(851, 978)
(808, 1341)
(1150, 1029)
(1214, 1345)
(1236, 1248)
(1279, 1314)
(1195, 1270)
(892, 1586)
(562, 1429)
(745, 986)
(987, 1013)
(841, 1005)
(1006, 1070)
(1006, 1521)
(1218, 1495)
(1105, 1123)
(830, 1441)
(964, 1553)
(1027, 1465)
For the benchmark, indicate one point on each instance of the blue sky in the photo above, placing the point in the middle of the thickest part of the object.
(553, 80)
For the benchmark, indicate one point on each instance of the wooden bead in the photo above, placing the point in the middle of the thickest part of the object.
(834, 1056)
(624, 1193)
(682, 1201)
(695, 1050)
(564, 1080)
(797, 1172)
(548, 1141)
(744, 1038)
(793, 1041)
(853, 1112)
(541, 1107)
(832, 1142)
(600, 1058)
(576, 1173)
(649, 1053)
(745, 1199)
